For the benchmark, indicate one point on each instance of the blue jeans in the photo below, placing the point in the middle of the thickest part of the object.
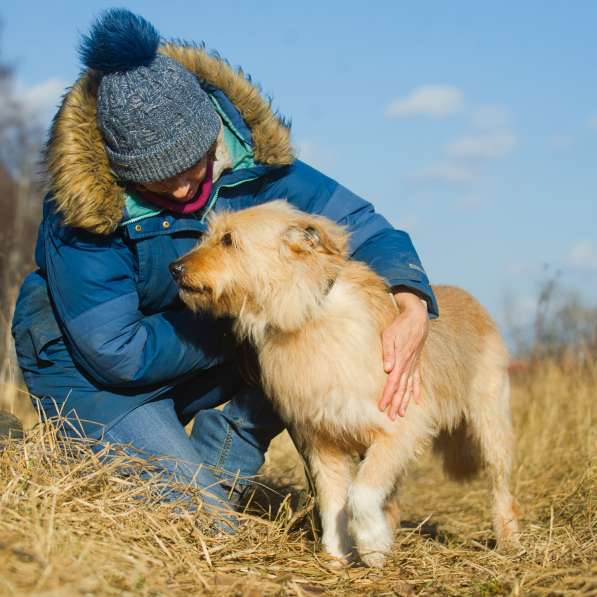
(229, 443)
(224, 450)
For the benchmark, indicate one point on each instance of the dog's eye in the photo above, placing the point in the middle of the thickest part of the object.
(226, 240)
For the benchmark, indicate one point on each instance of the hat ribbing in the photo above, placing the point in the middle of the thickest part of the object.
(155, 118)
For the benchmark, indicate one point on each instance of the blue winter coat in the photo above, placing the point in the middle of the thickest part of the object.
(99, 328)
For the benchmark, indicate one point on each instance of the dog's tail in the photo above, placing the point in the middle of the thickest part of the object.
(460, 452)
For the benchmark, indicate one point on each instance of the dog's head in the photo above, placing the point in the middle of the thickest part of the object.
(270, 264)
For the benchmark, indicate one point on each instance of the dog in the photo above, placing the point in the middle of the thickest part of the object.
(315, 318)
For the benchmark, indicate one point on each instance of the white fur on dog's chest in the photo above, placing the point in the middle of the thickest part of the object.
(307, 405)
(329, 374)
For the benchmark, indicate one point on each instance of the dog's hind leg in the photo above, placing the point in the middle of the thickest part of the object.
(491, 423)
(331, 470)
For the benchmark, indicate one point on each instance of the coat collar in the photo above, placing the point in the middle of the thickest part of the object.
(85, 190)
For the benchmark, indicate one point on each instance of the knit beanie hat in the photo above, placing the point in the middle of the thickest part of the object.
(155, 118)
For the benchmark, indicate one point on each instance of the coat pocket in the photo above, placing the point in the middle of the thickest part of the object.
(34, 325)
(43, 333)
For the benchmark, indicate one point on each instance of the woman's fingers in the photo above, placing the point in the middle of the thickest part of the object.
(401, 347)
(389, 350)
(407, 396)
(391, 387)
(403, 394)
(398, 396)
(397, 386)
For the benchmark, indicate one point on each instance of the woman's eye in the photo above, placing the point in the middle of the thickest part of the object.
(226, 240)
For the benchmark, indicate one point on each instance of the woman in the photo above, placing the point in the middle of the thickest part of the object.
(146, 144)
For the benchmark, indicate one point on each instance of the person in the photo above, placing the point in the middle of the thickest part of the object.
(151, 139)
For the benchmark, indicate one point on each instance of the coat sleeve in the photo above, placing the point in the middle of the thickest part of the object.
(373, 239)
(92, 285)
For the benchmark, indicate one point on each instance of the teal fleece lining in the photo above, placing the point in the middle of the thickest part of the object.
(137, 209)
(240, 152)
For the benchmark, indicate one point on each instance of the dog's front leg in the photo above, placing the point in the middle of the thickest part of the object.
(331, 470)
(374, 483)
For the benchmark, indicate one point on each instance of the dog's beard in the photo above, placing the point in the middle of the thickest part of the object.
(197, 301)
(204, 300)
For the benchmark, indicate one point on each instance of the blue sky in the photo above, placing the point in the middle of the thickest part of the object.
(471, 125)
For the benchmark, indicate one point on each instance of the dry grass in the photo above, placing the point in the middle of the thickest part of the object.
(70, 525)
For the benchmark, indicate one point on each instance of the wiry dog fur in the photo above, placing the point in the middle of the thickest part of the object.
(315, 318)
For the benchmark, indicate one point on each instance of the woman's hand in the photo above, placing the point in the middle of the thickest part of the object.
(402, 342)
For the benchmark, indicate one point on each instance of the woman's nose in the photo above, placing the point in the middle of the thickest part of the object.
(183, 186)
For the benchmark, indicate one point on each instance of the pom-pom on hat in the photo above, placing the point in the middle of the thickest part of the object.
(155, 118)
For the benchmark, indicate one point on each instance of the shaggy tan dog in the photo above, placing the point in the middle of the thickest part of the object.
(316, 318)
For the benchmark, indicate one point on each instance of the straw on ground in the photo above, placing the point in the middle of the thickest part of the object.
(72, 525)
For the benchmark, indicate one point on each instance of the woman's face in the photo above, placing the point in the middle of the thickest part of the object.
(183, 186)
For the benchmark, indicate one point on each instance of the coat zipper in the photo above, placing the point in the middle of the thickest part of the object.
(207, 209)
(215, 197)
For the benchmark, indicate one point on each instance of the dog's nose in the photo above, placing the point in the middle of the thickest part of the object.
(176, 269)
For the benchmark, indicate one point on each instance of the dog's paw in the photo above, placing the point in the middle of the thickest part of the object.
(511, 545)
(374, 559)
(336, 562)
(508, 534)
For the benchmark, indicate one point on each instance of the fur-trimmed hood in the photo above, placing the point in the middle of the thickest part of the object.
(85, 189)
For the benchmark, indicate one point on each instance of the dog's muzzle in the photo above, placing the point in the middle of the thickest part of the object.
(176, 270)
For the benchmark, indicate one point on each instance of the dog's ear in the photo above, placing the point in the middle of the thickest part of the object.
(316, 233)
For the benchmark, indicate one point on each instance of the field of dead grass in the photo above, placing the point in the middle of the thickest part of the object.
(70, 525)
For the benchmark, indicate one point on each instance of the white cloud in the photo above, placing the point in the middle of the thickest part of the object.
(427, 100)
(583, 255)
(444, 172)
(483, 146)
(592, 122)
(42, 99)
(461, 161)
(491, 116)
